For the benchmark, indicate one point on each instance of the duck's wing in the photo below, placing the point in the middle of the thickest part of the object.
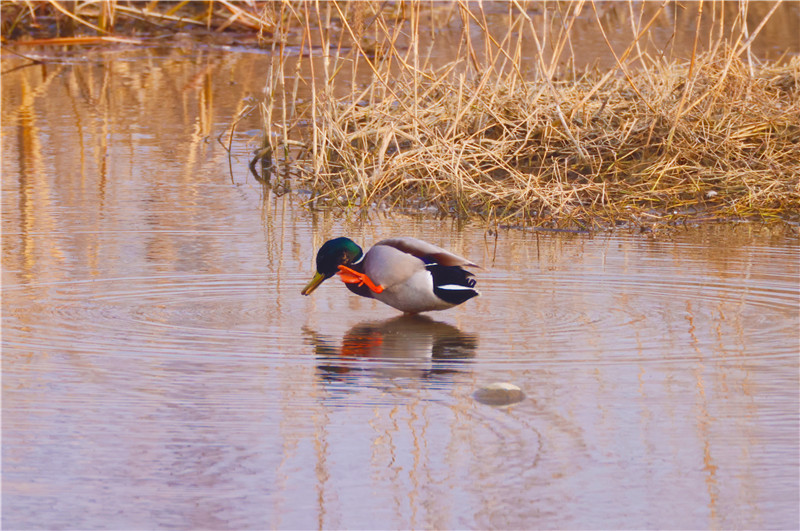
(424, 250)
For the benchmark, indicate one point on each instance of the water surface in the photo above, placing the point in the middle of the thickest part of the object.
(162, 370)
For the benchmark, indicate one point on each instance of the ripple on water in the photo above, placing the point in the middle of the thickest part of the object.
(196, 314)
(650, 310)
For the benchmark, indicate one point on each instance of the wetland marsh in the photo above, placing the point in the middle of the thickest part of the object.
(160, 368)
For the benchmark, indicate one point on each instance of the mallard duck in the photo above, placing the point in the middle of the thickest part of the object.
(405, 273)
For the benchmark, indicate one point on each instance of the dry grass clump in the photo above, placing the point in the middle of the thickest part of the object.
(724, 143)
(714, 137)
(37, 22)
(506, 129)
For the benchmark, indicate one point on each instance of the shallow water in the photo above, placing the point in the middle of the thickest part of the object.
(162, 370)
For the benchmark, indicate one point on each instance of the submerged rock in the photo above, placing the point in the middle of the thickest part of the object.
(499, 394)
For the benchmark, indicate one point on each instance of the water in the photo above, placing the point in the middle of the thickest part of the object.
(161, 369)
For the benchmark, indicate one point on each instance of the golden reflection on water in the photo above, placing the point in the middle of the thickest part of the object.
(158, 360)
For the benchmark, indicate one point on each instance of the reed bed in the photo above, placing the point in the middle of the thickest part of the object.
(68, 22)
(359, 112)
(713, 137)
(724, 143)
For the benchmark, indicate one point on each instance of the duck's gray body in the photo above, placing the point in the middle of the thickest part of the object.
(403, 266)
(405, 273)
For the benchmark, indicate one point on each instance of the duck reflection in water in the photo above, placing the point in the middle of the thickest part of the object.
(408, 346)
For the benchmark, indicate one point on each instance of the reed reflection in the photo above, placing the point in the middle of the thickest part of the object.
(408, 346)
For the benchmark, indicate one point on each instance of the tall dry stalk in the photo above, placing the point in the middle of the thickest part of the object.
(650, 138)
(477, 137)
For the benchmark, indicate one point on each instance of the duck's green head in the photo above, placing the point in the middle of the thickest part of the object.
(332, 254)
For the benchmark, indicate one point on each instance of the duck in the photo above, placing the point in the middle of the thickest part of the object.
(408, 274)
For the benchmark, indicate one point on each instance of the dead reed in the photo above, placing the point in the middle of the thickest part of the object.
(38, 22)
(359, 113)
(715, 137)
(499, 150)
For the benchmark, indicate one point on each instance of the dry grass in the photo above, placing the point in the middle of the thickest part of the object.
(37, 22)
(716, 136)
(499, 150)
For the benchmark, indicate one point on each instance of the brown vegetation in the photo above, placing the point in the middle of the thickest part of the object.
(715, 136)
(69, 22)
(722, 143)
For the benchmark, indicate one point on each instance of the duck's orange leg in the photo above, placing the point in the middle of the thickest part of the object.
(349, 276)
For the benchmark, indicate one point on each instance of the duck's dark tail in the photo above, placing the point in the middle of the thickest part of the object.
(452, 284)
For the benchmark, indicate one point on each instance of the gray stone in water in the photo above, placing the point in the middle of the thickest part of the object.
(499, 394)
